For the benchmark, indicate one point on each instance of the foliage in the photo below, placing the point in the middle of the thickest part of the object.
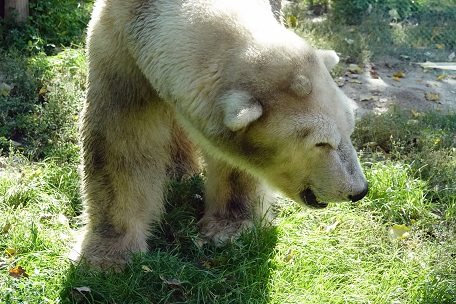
(354, 11)
(425, 141)
(40, 112)
(360, 29)
(52, 24)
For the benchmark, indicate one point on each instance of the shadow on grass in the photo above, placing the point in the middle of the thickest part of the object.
(178, 268)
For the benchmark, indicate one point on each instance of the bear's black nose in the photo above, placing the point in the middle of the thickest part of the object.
(359, 196)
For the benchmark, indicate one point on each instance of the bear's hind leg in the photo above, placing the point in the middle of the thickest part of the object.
(234, 199)
(185, 156)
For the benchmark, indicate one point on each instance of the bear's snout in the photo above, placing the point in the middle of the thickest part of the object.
(359, 196)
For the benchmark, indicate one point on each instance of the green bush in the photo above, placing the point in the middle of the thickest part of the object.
(353, 12)
(40, 113)
(51, 24)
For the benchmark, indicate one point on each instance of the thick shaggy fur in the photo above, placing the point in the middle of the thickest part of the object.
(223, 74)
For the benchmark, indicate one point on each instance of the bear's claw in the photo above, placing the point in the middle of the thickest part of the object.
(221, 231)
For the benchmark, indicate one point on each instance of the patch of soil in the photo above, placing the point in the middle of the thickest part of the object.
(379, 87)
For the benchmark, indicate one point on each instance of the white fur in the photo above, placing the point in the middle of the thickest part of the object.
(239, 109)
(165, 75)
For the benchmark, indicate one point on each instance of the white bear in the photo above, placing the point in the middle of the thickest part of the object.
(225, 75)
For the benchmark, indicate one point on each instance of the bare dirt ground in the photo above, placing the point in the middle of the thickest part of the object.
(407, 85)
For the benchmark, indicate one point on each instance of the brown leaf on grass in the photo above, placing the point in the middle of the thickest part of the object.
(6, 228)
(146, 268)
(173, 283)
(399, 232)
(206, 264)
(81, 293)
(11, 252)
(18, 272)
(289, 256)
(417, 114)
(371, 144)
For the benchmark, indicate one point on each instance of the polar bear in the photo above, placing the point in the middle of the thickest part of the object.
(168, 76)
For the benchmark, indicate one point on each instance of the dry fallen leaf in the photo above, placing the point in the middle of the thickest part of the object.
(374, 74)
(366, 98)
(146, 269)
(432, 96)
(18, 272)
(11, 251)
(289, 256)
(399, 232)
(441, 76)
(417, 114)
(207, 264)
(173, 283)
(399, 75)
(355, 81)
(331, 227)
(81, 293)
(355, 69)
(292, 21)
(371, 144)
(396, 79)
(6, 228)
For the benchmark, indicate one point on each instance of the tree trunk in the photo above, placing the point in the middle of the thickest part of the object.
(17, 9)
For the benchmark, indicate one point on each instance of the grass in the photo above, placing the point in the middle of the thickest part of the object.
(343, 254)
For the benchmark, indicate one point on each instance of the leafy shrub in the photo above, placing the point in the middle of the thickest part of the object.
(52, 23)
(354, 11)
(40, 113)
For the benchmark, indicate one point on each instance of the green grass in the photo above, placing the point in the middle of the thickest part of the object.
(344, 254)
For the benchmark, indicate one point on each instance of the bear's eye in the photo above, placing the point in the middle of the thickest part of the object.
(323, 145)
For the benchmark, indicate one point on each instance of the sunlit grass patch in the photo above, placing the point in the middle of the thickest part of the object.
(346, 255)
(395, 194)
(37, 208)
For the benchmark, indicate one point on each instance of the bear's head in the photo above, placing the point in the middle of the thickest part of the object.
(285, 120)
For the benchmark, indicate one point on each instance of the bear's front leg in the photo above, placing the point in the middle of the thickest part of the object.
(124, 171)
(234, 199)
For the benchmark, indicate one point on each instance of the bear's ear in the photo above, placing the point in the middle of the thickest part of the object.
(240, 109)
(329, 57)
(301, 85)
